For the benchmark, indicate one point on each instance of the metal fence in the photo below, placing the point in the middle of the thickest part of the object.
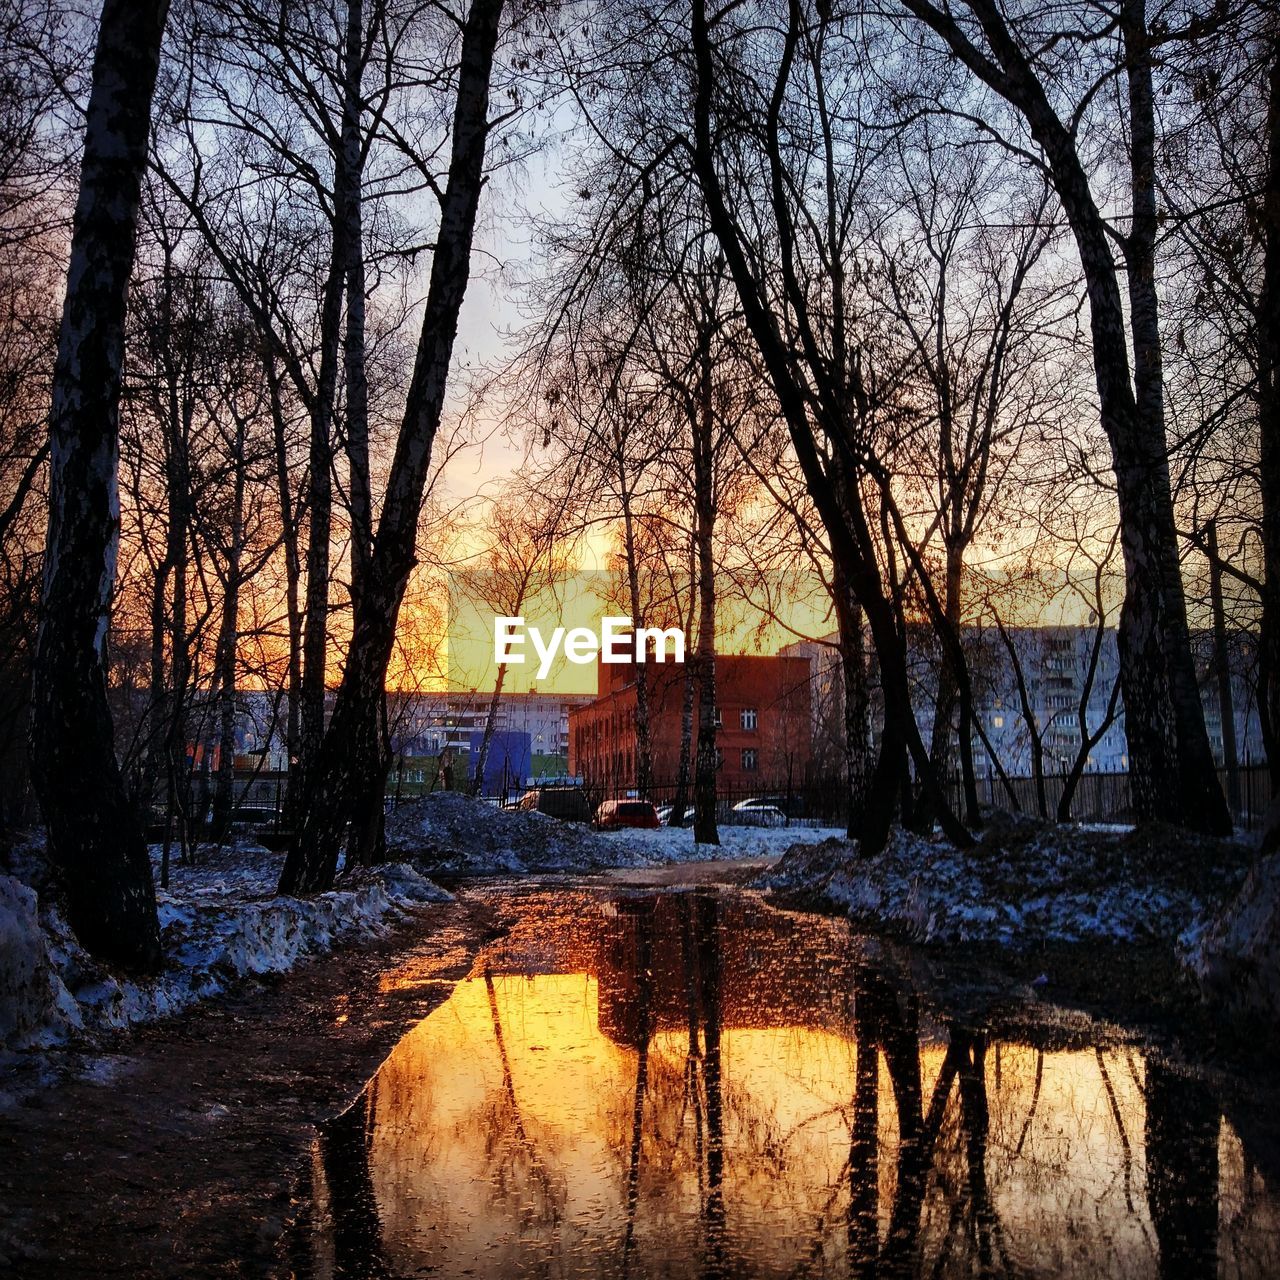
(1099, 797)
(1105, 797)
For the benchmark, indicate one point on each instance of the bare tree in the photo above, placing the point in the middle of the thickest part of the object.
(962, 292)
(345, 775)
(799, 304)
(1163, 716)
(1269, 423)
(520, 564)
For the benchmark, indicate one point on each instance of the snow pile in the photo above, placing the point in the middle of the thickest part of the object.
(1236, 957)
(453, 834)
(219, 923)
(31, 995)
(449, 833)
(1025, 883)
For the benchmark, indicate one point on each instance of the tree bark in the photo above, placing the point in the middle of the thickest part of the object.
(315, 644)
(367, 844)
(1222, 669)
(853, 667)
(176, 415)
(705, 830)
(95, 834)
(1269, 433)
(228, 644)
(343, 775)
(292, 593)
(1035, 738)
(315, 635)
(680, 800)
(644, 737)
(486, 737)
(955, 693)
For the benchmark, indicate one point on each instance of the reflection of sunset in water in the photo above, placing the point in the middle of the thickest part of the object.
(600, 1121)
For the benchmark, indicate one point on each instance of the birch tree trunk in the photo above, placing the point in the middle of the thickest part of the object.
(367, 843)
(1269, 430)
(705, 830)
(680, 800)
(343, 775)
(95, 834)
(343, 253)
(293, 582)
(315, 636)
(228, 643)
(486, 737)
(351, 223)
(853, 667)
(644, 737)
(814, 421)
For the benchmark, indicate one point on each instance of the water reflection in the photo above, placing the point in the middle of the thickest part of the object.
(696, 1085)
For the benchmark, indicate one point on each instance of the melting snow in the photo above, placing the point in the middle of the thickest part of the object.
(219, 922)
(1024, 883)
(448, 833)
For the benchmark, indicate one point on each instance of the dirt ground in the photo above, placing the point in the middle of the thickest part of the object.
(177, 1153)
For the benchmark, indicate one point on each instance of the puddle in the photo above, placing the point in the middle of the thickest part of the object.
(692, 1084)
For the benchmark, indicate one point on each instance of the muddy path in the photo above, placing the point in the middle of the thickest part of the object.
(176, 1152)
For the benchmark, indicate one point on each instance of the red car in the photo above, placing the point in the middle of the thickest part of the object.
(612, 815)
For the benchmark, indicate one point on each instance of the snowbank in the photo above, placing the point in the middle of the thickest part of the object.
(1025, 883)
(1236, 956)
(449, 833)
(219, 922)
(676, 844)
(453, 834)
(32, 996)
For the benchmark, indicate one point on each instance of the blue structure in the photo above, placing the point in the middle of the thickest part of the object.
(510, 760)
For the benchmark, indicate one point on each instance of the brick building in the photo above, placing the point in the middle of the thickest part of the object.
(763, 733)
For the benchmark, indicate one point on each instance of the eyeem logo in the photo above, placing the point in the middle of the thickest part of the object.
(617, 641)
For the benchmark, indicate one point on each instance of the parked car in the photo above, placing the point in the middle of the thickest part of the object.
(664, 813)
(758, 813)
(256, 815)
(613, 815)
(570, 804)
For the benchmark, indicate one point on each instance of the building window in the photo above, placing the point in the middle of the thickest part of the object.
(748, 717)
(719, 720)
(749, 759)
(997, 722)
(719, 758)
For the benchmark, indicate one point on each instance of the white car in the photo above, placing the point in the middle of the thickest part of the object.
(759, 813)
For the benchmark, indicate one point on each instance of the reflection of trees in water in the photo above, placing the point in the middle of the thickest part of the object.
(946, 1155)
(679, 1111)
(357, 1228)
(714, 1255)
(521, 1176)
(886, 1023)
(1249, 1216)
(1126, 1148)
(1182, 1171)
(339, 1231)
(1008, 1158)
(643, 910)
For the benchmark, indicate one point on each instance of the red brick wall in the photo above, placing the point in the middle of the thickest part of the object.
(602, 738)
